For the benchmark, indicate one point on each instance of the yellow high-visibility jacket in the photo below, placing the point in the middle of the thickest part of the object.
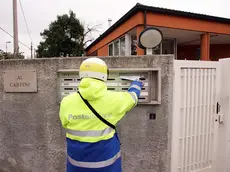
(80, 122)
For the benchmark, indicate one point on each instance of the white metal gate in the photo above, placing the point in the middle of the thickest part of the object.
(194, 120)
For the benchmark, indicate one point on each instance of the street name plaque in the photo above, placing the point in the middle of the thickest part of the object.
(20, 81)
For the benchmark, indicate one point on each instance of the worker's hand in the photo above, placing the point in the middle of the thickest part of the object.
(138, 83)
(136, 87)
(141, 82)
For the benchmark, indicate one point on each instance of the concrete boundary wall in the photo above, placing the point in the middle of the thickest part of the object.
(32, 139)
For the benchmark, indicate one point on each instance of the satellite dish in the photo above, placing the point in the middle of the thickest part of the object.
(150, 38)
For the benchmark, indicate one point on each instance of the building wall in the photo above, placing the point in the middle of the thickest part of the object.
(190, 52)
(31, 136)
(219, 51)
(187, 52)
(103, 51)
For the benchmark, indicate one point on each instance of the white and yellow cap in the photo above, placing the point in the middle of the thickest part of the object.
(94, 68)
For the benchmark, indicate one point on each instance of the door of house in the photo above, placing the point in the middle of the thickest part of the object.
(195, 120)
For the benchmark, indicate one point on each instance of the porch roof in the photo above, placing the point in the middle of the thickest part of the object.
(186, 37)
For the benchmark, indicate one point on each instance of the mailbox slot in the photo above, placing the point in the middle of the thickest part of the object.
(69, 81)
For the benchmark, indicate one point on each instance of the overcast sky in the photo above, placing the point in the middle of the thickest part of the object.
(40, 13)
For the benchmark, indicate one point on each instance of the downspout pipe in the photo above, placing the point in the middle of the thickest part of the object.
(145, 16)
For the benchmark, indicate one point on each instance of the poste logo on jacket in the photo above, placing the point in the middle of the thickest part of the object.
(91, 116)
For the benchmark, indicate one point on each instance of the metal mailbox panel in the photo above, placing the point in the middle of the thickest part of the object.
(69, 81)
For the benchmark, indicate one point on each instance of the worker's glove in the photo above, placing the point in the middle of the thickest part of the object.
(136, 87)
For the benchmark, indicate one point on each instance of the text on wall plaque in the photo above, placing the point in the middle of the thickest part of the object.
(20, 81)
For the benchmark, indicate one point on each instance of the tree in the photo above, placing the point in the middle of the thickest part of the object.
(6, 55)
(87, 36)
(66, 36)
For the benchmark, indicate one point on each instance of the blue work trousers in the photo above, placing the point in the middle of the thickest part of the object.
(103, 156)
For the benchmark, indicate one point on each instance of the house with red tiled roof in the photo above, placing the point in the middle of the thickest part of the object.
(186, 35)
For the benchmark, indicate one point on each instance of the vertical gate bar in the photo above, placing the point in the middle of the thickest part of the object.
(214, 113)
(214, 106)
(187, 120)
(200, 118)
(191, 119)
(209, 115)
(184, 121)
(185, 129)
(206, 116)
(195, 120)
(212, 116)
(203, 117)
(181, 117)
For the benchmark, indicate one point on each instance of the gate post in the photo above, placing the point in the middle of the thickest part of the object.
(223, 147)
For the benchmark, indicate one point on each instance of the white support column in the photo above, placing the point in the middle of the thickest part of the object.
(127, 44)
(149, 51)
